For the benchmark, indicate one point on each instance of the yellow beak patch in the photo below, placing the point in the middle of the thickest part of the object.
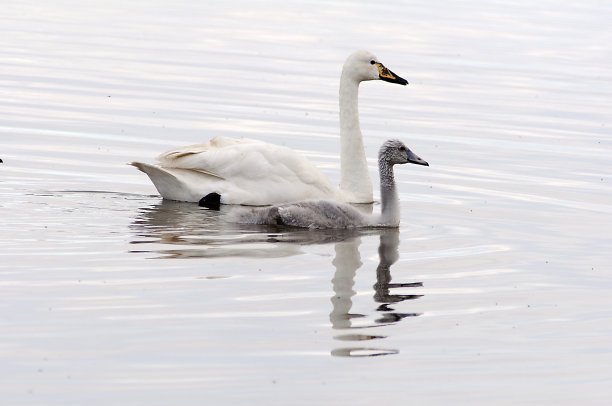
(384, 72)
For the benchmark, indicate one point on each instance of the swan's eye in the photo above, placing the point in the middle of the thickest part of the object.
(372, 62)
(402, 148)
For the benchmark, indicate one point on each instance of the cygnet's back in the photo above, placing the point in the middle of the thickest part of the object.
(330, 214)
(305, 214)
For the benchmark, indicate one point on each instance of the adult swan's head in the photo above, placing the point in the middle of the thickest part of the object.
(363, 65)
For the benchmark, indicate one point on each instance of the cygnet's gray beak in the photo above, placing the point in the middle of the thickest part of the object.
(415, 159)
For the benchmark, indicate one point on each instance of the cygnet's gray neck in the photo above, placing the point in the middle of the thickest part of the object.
(354, 175)
(390, 212)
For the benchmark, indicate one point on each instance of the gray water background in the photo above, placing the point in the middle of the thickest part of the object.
(495, 290)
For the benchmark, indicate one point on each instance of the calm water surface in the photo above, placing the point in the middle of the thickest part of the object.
(495, 290)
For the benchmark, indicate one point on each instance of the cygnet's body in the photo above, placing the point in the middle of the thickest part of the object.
(332, 214)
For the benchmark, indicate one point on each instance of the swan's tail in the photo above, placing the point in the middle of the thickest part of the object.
(171, 183)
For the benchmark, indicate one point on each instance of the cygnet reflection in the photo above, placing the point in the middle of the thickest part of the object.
(347, 262)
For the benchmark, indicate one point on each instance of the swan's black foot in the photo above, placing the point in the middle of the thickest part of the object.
(211, 201)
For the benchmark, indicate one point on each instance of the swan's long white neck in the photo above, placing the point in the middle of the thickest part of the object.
(354, 176)
(390, 212)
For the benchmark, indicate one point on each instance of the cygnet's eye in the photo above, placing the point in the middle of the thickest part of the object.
(402, 148)
(372, 62)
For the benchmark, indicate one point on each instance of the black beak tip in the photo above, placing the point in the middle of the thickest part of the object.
(391, 77)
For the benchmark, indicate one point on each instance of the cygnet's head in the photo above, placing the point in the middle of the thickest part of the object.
(395, 152)
(363, 65)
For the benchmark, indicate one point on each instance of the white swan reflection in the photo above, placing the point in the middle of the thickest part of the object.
(183, 230)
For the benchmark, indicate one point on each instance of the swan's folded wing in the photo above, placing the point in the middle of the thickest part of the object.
(262, 163)
(246, 160)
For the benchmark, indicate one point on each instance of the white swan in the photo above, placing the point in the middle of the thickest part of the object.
(331, 214)
(244, 171)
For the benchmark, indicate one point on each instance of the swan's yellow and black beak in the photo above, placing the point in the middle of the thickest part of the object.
(388, 76)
